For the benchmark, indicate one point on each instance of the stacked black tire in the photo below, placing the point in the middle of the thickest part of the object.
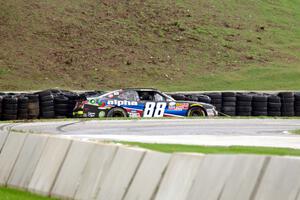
(274, 106)
(179, 97)
(72, 100)
(1, 98)
(287, 103)
(46, 104)
(10, 108)
(229, 103)
(23, 107)
(190, 97)
(61, 106)
(260, 105)
(33, 106)
(216, 100)
(203, 98)
(297, 104)
(244, 104)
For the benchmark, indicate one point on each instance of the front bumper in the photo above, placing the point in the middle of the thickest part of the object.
(212, 112)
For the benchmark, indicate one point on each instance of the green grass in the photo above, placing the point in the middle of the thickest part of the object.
(171, 45)
(13, 194)
(297, 132)
(172, 148)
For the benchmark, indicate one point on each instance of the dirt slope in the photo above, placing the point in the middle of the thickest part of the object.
(195, 44)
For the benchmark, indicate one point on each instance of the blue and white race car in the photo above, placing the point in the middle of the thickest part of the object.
(140, 102)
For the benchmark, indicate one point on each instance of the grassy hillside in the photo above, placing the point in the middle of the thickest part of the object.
(169, 44)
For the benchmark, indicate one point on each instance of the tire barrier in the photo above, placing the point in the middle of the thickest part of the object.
(33, 106)
(45, 104)
(10, 108)
(259, 105)
(1, 99)
(297, 104)
(274, 105)
(216, 100)
(61, 106)
(229, 103)
(285, 104)
(244, 104)
(55, 103)
(22, 111)
(58, 167)
(179, 97)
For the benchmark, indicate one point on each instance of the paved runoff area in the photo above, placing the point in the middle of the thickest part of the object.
(212, 132)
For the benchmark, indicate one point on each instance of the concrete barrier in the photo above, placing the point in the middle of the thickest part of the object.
(27, 161)
(179, 177)
(215, 170)
(148, 176)
(3, 137)
(95, 171)
(72, 169)
(244, 176)
(120, 174)
(9, 155)
(84, 170)
(49, 165)
(227, 177)
(281, 180)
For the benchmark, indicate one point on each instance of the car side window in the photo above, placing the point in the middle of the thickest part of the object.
(129, 95)
(145, 96)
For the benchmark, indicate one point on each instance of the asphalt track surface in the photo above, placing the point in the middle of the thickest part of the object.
(216, 132)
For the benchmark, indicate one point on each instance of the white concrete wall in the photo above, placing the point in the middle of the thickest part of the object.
(179, 176)
(71, 169)
(281, 180)
(3, 137)
(120, 174)
(148, 176)
(95, 171)
(26, 162)
(9, 155)
(227, 177)
(49, 165)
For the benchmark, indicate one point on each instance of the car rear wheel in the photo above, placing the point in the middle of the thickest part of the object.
(117, 112)
(196, 112)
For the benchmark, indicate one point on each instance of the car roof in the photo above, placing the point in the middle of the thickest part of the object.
(142, 89)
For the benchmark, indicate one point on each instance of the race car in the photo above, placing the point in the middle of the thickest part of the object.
(140, 102)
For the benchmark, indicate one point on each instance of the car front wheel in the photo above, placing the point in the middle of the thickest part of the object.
(117, 112)
(196, 112)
